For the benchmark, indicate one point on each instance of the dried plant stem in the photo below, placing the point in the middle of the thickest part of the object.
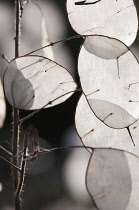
(15, 144)
(43, 151)
(5, 150)
(16, 111)
(50, 102)
(5, 58)
(23, 169)
(57, 42)
(11, 164)
(46, 151)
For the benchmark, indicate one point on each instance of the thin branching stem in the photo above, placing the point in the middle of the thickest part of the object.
(43, 151)
(5, 58)
(16, 111)
(23, 169)
(5, 150)
(11, 164)
(49, 103)
(57, 42)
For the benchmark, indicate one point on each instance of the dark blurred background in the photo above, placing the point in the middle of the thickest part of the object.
(55, 181)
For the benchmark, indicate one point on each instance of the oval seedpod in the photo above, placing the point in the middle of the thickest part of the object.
(117, 19)
(34, 82)
(105, 47)
(96, 134)
(113, 179)
(111, 87)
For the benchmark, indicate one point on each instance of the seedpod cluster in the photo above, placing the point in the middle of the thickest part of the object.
(107, 113)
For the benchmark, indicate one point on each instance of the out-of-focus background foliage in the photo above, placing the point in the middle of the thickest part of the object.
(55, 181)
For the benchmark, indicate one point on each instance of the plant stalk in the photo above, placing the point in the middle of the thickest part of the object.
(16, 111)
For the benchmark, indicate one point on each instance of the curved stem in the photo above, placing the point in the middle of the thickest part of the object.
(53, 43)
(43, 151)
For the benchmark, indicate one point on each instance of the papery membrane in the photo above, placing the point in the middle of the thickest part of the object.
(31, 82)
(112, 179)
(111, 87)
(96, 134)
(116, 19)
(105, 47)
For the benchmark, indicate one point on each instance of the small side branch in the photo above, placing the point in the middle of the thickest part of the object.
(128, 129)
(5, 150)
(43, 151)
(57, 42)
(11, 164)
(50, 102)
(5, 58)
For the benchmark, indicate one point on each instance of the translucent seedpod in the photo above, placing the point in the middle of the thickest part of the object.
(117, 19)
(111, 85)
(95, 134)
(112, 179)
(34, 82)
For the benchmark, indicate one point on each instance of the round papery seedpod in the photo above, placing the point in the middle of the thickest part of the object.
(113, 179)
(2, 105)
(105, 47)
(111, 87)
(117, 19)
(93, 133)
(34, 82)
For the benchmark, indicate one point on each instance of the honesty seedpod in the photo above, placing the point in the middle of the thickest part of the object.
(111, 86)
(107, 114)
(116, 19)
(113, 179)
(34, 82)
(105, 47)
(96, 134)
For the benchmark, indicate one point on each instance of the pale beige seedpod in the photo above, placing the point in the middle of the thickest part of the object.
(113, 179)
(96, 134)
(116, 19)
(31, 82)
(111, 85)
(105, 47)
